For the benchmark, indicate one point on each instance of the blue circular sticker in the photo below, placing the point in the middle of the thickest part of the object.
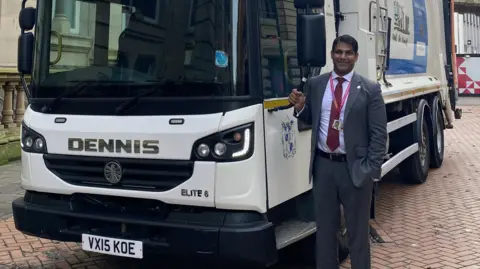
(221, 58)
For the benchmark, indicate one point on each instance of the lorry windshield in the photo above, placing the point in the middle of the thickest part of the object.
(123, 48)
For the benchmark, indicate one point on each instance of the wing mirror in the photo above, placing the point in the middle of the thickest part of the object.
(26, 41)
(311, 36)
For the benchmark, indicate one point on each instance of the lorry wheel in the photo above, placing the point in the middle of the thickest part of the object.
(415, 168)
(437, 142)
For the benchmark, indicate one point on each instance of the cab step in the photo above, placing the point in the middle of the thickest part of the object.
(289, 232)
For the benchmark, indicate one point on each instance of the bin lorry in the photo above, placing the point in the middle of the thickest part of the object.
(163, 127)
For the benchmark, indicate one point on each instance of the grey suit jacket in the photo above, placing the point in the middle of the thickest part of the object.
(365, 125)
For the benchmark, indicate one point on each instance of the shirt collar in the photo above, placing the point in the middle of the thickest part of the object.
(347, 77)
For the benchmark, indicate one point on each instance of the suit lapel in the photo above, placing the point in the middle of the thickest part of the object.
(353, 94)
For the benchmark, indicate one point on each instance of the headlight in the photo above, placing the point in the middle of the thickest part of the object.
(203, 150)
(39, 144)
(32, 141)
(220, 149)
(227, 146)
(28, 141)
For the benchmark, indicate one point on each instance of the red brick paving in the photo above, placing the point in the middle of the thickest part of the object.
(434, 225)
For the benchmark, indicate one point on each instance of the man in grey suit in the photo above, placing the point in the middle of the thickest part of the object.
(349, 135)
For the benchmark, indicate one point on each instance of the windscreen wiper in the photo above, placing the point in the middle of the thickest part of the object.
(80, 87)
(133, 101)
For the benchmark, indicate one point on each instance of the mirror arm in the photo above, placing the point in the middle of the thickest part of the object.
(300, 89)
(26, 89)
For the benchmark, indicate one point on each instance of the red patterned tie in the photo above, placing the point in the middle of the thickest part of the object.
(333, 137)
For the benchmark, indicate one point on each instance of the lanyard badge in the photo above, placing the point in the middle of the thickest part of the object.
(337, 124)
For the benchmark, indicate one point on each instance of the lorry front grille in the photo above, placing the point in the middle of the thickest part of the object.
(138, 174)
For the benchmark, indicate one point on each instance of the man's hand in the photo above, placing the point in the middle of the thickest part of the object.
(297, 99)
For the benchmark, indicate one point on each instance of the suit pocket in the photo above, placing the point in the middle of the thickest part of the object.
(359, 173)
(361, 151)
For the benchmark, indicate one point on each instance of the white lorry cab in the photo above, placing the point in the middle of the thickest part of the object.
(163, 127)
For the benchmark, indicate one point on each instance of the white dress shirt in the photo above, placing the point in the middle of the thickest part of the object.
(322, 131)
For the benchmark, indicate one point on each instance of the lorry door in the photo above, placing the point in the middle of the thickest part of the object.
(287, 149)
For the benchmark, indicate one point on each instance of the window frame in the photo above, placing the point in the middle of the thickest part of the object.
(159, 7)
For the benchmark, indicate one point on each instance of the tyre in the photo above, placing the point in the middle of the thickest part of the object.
(415, 168)
(438, 140)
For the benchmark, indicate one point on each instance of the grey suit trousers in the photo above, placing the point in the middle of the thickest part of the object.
(332, 185)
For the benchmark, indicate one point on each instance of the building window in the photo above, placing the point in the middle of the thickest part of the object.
(150, 9)
(72, 12)
(268, 8)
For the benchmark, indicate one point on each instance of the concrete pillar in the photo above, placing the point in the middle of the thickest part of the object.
(20, 107)
(60, 21)
(7, 113)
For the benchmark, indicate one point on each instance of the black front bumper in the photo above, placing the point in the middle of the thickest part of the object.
(229, 236)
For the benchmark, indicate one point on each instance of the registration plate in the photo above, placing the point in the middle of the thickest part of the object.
(112, 246)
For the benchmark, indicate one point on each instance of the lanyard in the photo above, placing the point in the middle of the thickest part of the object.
(339, 108)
